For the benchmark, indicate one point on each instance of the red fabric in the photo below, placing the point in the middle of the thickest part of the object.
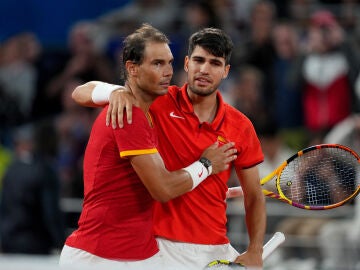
(116, 221)
(323, 108)
(200, 215)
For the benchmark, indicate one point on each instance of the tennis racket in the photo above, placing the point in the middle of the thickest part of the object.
(269, 247)
(319, 177)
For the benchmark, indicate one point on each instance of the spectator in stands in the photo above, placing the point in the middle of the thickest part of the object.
(299, 11)
(328, 73)
(18, 74)
(257, 49)
(82, 59)
(195, 15)
(30, 217)
(73, 127)
(287, 104)
(160, 13)
(247, 95)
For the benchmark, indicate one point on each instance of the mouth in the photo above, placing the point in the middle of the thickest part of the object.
(165, 84)
(203, 81)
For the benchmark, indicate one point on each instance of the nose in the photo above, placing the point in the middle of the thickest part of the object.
(204, 68)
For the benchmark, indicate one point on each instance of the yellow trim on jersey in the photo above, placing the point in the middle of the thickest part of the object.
(138, 152)
(221, 139)
(149, 117)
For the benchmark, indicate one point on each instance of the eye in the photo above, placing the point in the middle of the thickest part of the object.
(198, 60)
(216, 63)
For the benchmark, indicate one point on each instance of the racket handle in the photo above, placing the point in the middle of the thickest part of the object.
(234, 192)
(268, 248)
(277, 239)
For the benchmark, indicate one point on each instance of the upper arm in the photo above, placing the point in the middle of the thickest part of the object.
(250, 180)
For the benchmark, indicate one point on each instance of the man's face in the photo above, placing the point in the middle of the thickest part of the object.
(205, 71)
(155, 72)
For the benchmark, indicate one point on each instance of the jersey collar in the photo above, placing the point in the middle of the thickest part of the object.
(187, 107)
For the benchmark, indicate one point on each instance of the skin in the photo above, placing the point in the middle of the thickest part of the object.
(146, 81)
(205, 73)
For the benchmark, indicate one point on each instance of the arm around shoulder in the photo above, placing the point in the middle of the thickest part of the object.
(94, 93)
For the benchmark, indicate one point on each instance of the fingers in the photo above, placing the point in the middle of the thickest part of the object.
(227, 146)
(115, 114)
(108, 115)
(129, 107)
(220, 157)
(229, 151)
(120, 103)
(232, 154)
(117, 117)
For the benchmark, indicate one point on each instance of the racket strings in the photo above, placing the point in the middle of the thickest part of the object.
(323, 176)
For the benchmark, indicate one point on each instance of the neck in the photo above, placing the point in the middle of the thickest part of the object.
(205, 107)
(142, 100)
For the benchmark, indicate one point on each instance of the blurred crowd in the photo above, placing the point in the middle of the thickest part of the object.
(294, 73)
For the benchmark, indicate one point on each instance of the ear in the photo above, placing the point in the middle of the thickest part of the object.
(131, 68)
(226, 73)
(186, 63)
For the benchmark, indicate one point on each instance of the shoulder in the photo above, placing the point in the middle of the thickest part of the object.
(173, 93)
(138, 118)
(174, 89)
(239, 126)
(235, 117)
(137, 112)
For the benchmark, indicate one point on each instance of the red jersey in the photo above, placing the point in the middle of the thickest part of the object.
(199, 216)
(326, 96)
(116, 220)
(325, 107)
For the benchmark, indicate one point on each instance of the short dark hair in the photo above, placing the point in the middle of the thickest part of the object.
(213, 40)
(134, 44)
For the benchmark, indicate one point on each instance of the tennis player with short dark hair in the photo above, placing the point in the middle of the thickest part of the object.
(191, 229)
(124, 172)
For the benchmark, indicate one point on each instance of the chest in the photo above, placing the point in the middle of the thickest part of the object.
(182, 137)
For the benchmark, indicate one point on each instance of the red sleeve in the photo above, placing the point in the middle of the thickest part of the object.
(137, 138)
(248, 145)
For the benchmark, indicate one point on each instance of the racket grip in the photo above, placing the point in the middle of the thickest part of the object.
(234, 192)
(277, 239)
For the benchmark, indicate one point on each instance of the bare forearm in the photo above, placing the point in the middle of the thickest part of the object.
(255, 221)
(82, 94)
(174, 185)
(164, 185)
(94, 93)
(255, 209)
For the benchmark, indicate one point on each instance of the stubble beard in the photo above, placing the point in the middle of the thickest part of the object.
(200, 92)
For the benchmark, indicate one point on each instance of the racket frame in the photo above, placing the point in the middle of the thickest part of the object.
(281, 196)
(277, 173)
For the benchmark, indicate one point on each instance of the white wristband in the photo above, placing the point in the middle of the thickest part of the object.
(101, 93)
(198, 173)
